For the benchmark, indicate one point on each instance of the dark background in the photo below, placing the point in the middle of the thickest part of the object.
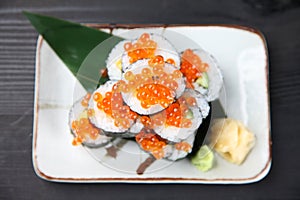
(278, 20)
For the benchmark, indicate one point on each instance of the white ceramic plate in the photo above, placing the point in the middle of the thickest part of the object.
(242, 55)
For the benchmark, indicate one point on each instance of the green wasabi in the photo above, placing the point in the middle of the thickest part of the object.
(204, 159)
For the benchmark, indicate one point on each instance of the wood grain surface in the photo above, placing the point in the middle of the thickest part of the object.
(278, 20)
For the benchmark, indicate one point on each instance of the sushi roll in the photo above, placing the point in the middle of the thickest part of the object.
(179, 150)
(197, 99)
(83, 130)
(160, 148)
(148, 46)
(179, 120)
(110, 113)
(114, 61)
(151, 85)
(202, 73)
(152, 143)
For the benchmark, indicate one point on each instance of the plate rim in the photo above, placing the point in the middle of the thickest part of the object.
(259, 176)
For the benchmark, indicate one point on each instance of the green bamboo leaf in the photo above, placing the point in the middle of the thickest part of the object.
(73, 43)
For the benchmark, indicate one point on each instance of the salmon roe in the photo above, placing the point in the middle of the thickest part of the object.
(144, 47)
(83, 129)
(112, 104)
(192, 66)
(156, 61)
(152, 94)
(146, 121)
(175, 115)
(85, 100)
(151, 142)
(90, 112)
(191, 101)
(183, 146)
(158, 119)
(170, 61)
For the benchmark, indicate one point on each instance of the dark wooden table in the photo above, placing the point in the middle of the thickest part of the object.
(279, 20)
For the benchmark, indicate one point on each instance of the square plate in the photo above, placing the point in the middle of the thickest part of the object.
(242, 55)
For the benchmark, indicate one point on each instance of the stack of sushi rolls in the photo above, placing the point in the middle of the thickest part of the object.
(156, 95)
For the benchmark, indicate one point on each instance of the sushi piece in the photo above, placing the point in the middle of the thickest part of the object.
(179, 150)
(151, 85)
(161, 148)
(83, 130)
(114, 61)
(152, 143)
(202, 73)
(110, 113)
(148, 46)
(179, 120)
(197, 99)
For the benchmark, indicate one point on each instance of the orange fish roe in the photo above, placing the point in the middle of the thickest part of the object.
(83, 129)
(85, 100)
(170, 61)
(151, 142)
(90, 112)
(187, 100)
(158, 119)
(146, 121)
(112, 104)
(164, 78)
(144, 47)
(192, 66)
(175, 115)
(183, 146)
(191, 101)
(97, 96)
(103, 73)
(151, 94)
(120, 86)
(156, 61)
